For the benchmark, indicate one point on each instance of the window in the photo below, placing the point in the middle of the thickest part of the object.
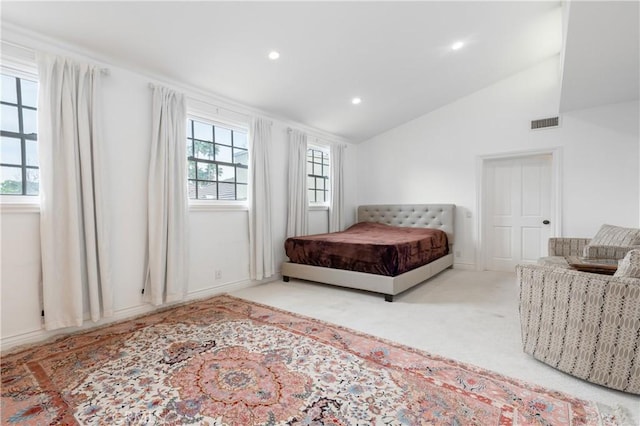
(318, 175)
(19, 172)
(218, 161)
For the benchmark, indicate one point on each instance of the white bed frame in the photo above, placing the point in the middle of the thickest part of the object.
(437, 216)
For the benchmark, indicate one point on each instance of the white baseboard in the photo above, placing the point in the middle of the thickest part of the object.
(228, 288)
(464, 266)
(41, 335)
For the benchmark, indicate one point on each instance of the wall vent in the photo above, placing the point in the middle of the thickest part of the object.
(545, 122)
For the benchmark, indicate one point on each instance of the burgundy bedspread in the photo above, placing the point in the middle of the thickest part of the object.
(374, 248)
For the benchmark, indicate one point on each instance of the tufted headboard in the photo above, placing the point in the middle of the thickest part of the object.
(437, 216)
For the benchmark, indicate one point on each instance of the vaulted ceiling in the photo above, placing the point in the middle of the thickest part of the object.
(395, 56)
(602, 54)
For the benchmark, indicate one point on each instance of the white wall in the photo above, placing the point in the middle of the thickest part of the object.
(600, 167)
(433, 158)
(218, 239)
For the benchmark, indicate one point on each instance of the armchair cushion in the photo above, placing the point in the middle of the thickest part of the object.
(610, 235)
(629, 267)
(593, 251)
(612, 242)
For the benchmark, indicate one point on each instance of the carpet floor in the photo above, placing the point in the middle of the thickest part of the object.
(227, 360)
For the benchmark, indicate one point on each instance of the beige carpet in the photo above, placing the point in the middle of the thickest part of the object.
(469, 316)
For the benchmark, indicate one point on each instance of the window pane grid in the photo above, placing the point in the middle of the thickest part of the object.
(317, 176)
(218, 167)
(19, 149)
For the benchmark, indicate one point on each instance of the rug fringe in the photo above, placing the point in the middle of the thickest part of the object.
(623, 415)
(614, 415)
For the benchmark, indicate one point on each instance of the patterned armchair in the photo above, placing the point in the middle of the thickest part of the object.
(587, 325)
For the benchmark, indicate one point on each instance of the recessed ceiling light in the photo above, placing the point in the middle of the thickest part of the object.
(457, 45)
(356, 101)
(273, 55)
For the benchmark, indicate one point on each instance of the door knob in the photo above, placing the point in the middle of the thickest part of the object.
(546, 222)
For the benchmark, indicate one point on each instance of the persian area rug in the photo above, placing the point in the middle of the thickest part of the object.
(227, 361)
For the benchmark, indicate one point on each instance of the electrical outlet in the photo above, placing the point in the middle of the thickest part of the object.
(457, 253)
(218, 274)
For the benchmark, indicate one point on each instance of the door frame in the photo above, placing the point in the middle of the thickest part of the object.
(481, 177)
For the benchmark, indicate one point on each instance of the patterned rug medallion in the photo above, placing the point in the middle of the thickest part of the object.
(227, 361)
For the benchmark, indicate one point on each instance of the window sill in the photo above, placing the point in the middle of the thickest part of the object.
(209, 206)
(19, 204)
(318, 207)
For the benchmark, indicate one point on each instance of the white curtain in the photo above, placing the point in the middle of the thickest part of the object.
(73, 227)
(166, 279)
(297, 216)
(336, 206)
(262, 263)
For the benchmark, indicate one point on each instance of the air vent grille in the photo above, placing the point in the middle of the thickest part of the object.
(545, 122)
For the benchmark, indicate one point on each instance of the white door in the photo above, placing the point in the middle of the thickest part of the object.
(517, 196)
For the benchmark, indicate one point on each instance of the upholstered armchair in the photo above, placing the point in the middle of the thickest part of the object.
(585, 324)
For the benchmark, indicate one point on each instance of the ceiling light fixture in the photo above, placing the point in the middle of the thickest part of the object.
(273, 55)
(457, 45)
(356, 101)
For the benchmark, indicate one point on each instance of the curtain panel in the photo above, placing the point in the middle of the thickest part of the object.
(297, 207)
(167, 274)
(336, 204)
(261, 262)
(73, 227)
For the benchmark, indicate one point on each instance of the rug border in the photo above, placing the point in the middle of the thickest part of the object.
(59, 337)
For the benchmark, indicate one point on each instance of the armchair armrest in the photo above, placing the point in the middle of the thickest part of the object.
(567, 246)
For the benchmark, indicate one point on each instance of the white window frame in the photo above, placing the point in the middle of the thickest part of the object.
(219, 205)
(312, 205)
(20, 68)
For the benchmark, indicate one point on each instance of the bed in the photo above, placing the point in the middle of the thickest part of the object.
(388, 280)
